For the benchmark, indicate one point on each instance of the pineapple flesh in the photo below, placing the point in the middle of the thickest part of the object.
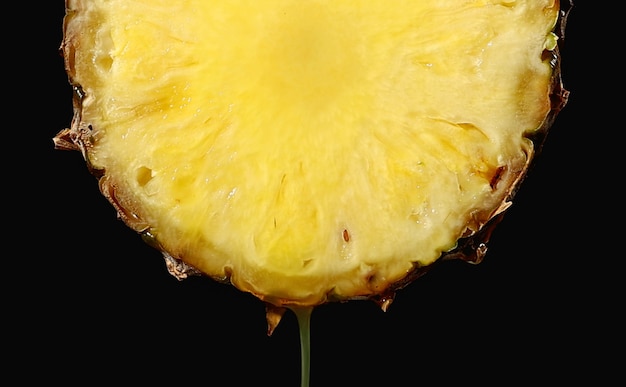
(310, 151)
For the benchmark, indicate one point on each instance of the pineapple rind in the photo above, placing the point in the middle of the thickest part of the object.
(313, 148)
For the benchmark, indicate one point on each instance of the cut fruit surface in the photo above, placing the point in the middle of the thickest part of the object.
(311, 151)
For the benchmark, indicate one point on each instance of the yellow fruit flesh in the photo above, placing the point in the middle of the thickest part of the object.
(307, 149)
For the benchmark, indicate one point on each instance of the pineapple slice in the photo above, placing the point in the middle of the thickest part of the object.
(311, 151)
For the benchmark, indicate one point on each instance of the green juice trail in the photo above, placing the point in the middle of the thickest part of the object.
(304, 324)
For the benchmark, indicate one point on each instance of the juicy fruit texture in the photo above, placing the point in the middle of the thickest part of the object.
(309, 151)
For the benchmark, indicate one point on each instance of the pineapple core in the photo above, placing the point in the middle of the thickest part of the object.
(308, 151)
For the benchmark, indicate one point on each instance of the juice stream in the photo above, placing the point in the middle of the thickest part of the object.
(303, 314)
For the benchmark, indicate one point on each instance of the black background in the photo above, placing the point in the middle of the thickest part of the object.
(89, 302)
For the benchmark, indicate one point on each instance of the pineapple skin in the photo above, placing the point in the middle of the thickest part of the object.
(294, 287)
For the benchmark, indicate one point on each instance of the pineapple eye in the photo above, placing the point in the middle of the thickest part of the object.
(144, 175)
(496, 177)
